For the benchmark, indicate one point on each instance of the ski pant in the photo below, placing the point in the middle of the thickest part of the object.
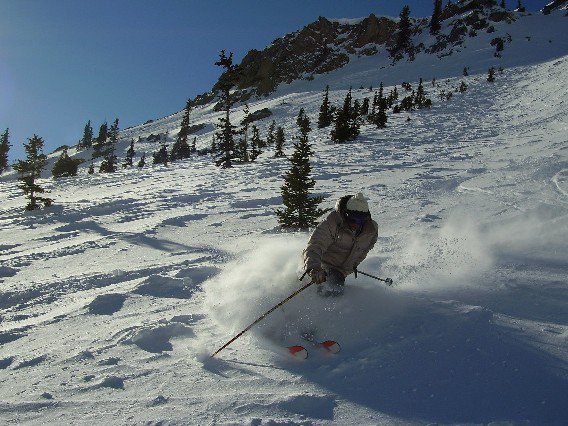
(334, 285)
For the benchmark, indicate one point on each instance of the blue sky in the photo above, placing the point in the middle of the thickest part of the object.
(63, 62)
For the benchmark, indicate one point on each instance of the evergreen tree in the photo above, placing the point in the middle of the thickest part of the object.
(403, 42)
(270, 137)
(435, 24)
(161, 156)
(91, 170)
(142, 161)
(100, 142)
(129, 159)
(279, 142)
(181, 148)
(463, 87)
(346, 122)
(242, 149)
(4, 149)
(87, 139)
(226, 130)
(520, 7)
(30, 171)
(380, 117)
(255, 144)
(65, 166)
(110, 162)
(491, 75)
(465, 72)
(503, 6)
(365, 107)
(325, 115)
(420, 99)
(300, 209)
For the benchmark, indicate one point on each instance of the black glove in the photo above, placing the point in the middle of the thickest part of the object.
(318, 275)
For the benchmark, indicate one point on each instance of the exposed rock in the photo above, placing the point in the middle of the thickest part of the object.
(555, 5)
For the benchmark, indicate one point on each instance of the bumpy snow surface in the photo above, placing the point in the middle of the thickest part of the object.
(113, 300)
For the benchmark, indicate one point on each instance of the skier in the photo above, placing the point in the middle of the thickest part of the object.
(339, 244)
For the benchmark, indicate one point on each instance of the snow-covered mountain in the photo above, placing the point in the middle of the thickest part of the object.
(112, 300)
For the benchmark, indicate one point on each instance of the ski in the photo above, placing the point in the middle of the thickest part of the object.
(298, 351)
(330, 346)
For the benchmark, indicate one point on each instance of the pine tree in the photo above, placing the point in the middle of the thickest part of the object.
(279, 142)
(435, 24)
(255, 144)
(226, 130)
(181, 148)
(380, 117)
(420, 99)
(30, 172)
(325, 115)
(347, 122)
(100, 142)
(300, 209)
(4, 149)
(403, 42)
(463, 87)
(465, 72)
(242, 149)
(87, 139)
(503, 6)
(270, 137)
(129, 159)
(110, 162)
(91, 170)
(161, 156)
(65, 166)
(491, 75)
(113, 133)
(365, 107)
(142, 161)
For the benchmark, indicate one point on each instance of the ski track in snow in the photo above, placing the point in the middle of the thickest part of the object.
(112, 301)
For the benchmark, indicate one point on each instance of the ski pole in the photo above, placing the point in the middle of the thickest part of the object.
(262, 317)
(388, 281)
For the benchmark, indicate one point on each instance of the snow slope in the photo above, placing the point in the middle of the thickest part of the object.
(112, 300)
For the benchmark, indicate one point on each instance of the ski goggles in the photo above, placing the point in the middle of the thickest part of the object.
(358, 219)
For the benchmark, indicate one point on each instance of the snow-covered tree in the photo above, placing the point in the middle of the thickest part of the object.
(30, 171)
(300, 208)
